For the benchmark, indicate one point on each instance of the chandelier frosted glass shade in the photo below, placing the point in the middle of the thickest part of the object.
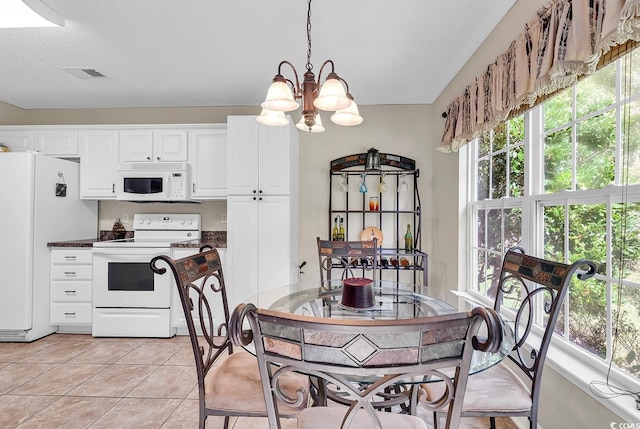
(315, 128)
(348, 117)
(272, 118)
(332, 96)
(279, 97)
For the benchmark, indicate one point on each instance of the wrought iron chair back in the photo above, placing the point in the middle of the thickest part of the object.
(203, 295)
(526, 284)
(349, 258)
(529, 282)
(384, 352)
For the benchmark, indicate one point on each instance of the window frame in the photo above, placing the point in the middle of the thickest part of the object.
(532, 204)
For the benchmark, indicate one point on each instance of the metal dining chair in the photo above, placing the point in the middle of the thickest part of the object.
(526, 283)
(348, 258)
(362, 358)
(229, 381)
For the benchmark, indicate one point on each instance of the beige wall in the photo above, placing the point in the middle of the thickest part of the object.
(10, 114)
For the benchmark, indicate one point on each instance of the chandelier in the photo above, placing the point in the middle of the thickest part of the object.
(331, 96)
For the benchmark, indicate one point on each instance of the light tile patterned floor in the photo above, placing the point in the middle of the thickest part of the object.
(77, 381)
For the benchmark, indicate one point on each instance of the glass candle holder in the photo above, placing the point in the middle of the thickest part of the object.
(374, 204)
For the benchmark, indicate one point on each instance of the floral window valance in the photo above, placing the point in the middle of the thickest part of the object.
(563, 42)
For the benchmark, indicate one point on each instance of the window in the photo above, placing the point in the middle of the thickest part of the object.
(571, 168)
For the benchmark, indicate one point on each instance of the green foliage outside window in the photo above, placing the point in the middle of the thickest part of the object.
(591, 141)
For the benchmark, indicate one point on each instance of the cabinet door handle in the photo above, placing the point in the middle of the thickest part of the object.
(70, 257)
(70, 273)
(148, 158)
(194, 187)
(260, 191)
(254, 198)
(254, 191)
(260, 198)
(113, 188)
(158, 158)
(70, 292)
(70, 314)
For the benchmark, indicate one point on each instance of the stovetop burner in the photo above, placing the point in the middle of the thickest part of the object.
(158, 230)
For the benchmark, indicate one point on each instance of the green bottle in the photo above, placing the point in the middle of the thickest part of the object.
(408, 240)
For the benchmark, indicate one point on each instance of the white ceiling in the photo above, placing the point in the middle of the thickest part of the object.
(162, 53)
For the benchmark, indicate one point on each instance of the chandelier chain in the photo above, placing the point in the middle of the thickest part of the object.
(309, 65)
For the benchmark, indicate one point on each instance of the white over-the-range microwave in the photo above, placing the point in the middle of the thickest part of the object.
(154, 181)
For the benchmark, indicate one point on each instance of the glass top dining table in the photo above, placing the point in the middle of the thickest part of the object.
(393, 300)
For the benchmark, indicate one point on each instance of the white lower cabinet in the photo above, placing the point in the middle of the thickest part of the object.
(71, 286)
(177, 314)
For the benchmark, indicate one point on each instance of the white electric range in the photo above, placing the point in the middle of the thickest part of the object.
(129, 300)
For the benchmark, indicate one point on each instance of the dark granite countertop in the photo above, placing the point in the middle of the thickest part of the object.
(214, 239)
(73, 243)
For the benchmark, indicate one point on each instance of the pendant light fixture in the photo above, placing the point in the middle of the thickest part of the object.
(330, 96)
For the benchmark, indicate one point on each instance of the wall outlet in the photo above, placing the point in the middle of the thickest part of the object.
(223, 218)
(125, 218)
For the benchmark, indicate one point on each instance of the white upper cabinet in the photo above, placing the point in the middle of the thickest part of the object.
(260, 157)
(50, 140)
(208, 159)
(57, 142)
(98, 163)
(147, 145)
(18, 140)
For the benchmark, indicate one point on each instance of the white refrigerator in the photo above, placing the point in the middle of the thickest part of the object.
(34, 210)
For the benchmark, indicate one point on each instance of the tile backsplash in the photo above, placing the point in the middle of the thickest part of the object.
(212, 212)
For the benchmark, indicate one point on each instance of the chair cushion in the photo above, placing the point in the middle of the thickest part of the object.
(496, 389)
(331, 417)
(234, 384)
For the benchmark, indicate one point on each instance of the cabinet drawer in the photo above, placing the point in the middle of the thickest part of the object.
(71, 272)
(71, 291)
(70, 313)
(71, 256)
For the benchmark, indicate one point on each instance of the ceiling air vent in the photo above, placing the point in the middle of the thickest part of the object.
(83, 72)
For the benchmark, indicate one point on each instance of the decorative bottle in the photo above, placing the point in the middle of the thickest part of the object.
(118, 230)
(408, 239)
(341, 231)
(334, 233)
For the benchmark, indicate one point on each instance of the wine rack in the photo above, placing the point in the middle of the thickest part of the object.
(395, 186)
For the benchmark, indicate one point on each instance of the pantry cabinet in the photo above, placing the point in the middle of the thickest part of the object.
(262, 207)
(265, 157)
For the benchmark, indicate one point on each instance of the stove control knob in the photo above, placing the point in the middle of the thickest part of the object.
(141, 221)
(148, 221)
(190, 221)
(182, 222)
